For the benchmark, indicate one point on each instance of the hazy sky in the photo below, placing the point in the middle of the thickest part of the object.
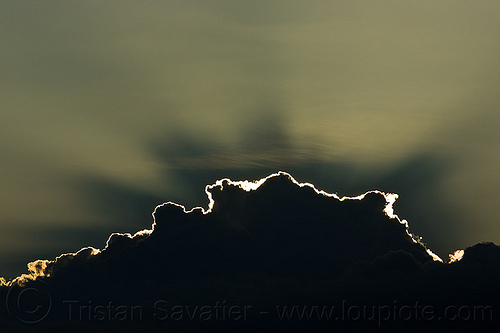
(109, 108)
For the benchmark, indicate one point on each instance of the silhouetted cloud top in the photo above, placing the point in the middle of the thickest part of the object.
(269, 242)
(275, 225)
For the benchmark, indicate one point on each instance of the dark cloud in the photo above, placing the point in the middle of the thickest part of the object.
(418, 179)
(261, 248)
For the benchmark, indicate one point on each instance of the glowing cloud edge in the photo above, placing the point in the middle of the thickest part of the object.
(246, 185)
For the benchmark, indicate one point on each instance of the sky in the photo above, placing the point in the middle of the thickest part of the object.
(111, 108)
